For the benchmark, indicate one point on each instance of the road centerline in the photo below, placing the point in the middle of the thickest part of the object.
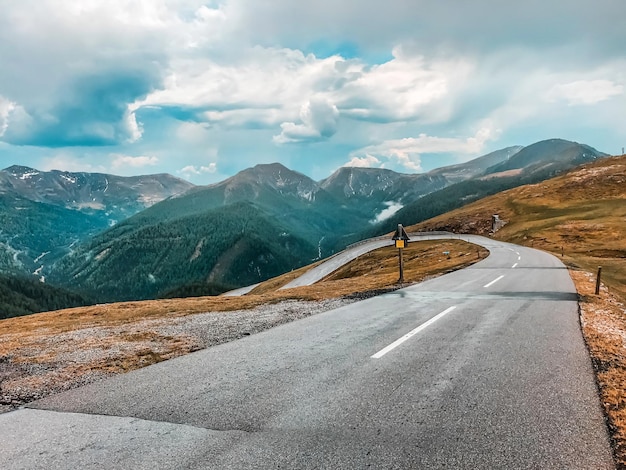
(494, 281)
(411, 333)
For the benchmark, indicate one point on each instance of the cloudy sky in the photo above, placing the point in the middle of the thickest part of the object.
(203, 89)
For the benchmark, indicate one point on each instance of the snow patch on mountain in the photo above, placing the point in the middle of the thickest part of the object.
(37, 272)
(69, 179)
(36, 260)
(309, 195)
(28, 175)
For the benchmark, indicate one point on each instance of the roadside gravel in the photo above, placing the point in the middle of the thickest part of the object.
(212, 328)
(60, 362)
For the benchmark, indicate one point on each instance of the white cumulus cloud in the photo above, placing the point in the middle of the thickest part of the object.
(319, 119)
(368, 161)
(585, 92)
(6, 107)
(407, 151)
(126, 161)
(406, 87)
(192, 170)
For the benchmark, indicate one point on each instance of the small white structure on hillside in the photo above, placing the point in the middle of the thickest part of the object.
(496, 223)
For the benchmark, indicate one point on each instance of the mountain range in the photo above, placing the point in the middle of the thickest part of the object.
(44, 214)
(111, 238)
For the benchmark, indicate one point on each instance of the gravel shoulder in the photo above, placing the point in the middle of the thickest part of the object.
(90, 354)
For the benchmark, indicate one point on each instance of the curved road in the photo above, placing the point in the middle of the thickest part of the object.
(322, 270)
(335, 262)
(340, 259)
(344, 257)
(480, 368)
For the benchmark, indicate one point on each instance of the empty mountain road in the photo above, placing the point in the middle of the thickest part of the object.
(335, 262)
(481, 368)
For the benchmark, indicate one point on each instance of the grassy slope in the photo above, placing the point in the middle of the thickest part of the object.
(580, 216)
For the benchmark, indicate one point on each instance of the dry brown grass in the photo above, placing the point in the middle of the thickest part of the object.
(52, 351)
(603, 319)
(426, 258)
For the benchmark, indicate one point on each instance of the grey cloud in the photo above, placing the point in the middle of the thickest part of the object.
(70, 76)
(90, 111)
(436, 26)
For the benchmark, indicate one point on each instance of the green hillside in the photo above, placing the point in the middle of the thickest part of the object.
(232, 246)
(30, 229)
(23, 296)
(290, 198)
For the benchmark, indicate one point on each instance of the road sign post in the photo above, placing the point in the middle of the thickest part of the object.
(401, 265)
(401, 238)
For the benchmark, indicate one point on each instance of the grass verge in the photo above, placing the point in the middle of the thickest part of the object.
(603, 321)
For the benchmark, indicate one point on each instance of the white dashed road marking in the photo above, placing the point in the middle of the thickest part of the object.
(411, 333)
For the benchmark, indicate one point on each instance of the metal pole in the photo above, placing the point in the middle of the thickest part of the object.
(401, 266)
(598, 280)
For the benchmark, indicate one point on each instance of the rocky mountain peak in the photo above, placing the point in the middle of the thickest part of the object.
(274, 176)
(116, 196)
(356, 181)
(553, 154)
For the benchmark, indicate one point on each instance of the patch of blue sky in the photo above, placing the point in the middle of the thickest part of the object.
(324, 48)
(179, 113)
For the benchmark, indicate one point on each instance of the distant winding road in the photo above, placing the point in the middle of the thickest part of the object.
(342, 258)
(319, 272)
(483, 368)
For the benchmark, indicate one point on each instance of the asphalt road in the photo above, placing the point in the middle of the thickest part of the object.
(240, 291)
(335, 262)
(484, 368)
